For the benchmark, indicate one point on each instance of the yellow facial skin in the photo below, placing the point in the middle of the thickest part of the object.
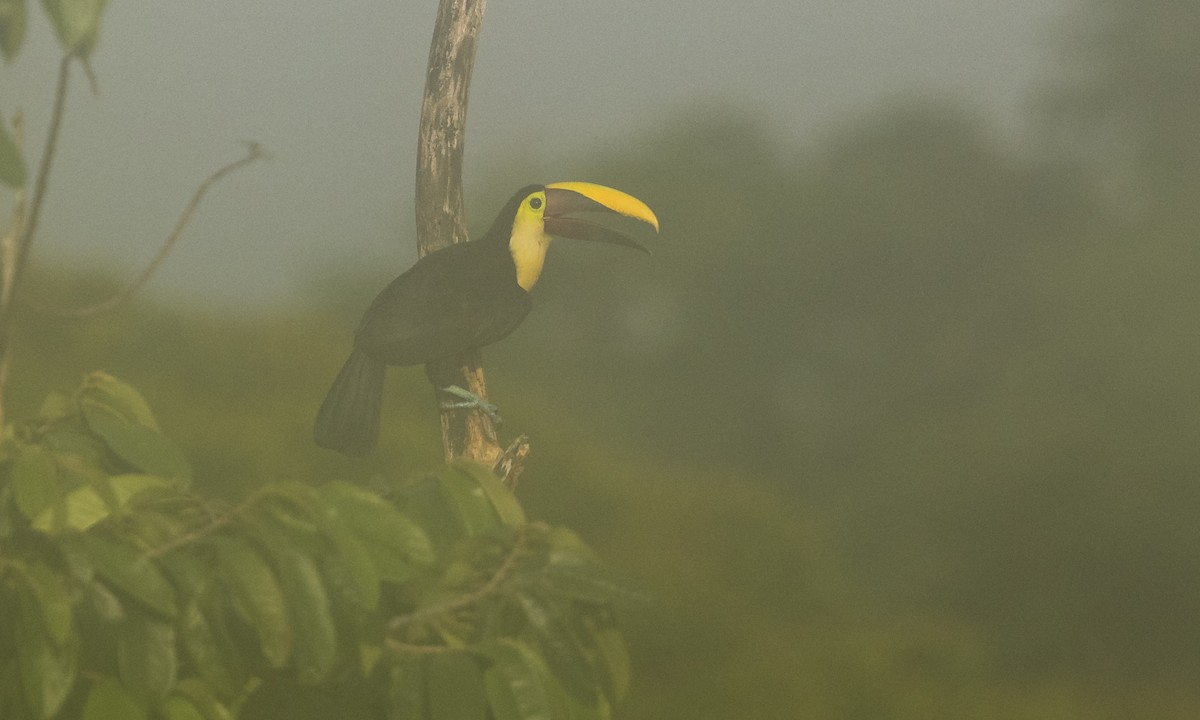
(529, 240)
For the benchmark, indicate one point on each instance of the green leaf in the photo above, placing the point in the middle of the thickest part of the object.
(284, 523)
(81, 457)
(354, 557)
(146, 656)
(316, 644)
(127, 486)
(406, 688)
(516, 682)
(8, 447)
(190, 572)
(259, 596)
(214, 659)
(12, 28)
(8, 519)
(613, 658)
(470, 502)
(576, 709)
(12, 167)
(119, 397)
(368, 657)
(136, 444)
(75, 559)
(178, 707)
(203, 698)
(501, 700)
(278, 697)
(48, 671)
(423, 500)
(394, 541)
(564, 655)
(76, 23)
(109, 700)
(574, 570)
(129, 570)
(455, 687)
(567, 548)
(591, 584)
(85, 506)
(35, 481)
(502, 499)
(57, 404)
(51, 594)
(105, 604)
(82, 508)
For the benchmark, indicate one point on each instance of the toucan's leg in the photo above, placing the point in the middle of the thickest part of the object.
(468, 400)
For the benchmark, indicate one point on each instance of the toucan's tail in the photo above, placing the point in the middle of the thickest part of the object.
(348, 420)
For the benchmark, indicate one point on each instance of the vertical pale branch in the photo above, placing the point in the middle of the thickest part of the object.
(440, 216)
(439, 203)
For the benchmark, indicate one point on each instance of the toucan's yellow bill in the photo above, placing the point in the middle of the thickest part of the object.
(612, 199)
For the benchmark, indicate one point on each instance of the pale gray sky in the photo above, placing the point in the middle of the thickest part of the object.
(333, 91)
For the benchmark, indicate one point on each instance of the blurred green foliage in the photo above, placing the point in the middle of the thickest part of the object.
(900, 426)
(127, 595)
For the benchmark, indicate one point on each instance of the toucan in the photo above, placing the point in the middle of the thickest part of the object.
(461, 298)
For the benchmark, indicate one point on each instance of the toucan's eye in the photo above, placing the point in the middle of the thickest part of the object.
(535, 203)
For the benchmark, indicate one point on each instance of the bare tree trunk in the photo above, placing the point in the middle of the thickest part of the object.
(440, 215)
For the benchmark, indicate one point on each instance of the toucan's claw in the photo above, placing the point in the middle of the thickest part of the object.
(470, 401)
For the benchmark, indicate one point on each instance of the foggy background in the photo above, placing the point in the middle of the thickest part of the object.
(334, 94)
(899, 421)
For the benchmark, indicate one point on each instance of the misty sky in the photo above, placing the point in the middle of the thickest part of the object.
(333, 91)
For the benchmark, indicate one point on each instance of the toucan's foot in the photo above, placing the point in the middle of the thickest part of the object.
(468, 400)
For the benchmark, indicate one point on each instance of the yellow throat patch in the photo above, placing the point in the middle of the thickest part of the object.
(529, 240)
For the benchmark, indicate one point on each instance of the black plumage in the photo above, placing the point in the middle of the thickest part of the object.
(459, 299)
(456, 299)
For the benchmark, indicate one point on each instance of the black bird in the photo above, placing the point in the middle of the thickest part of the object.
(461, 298)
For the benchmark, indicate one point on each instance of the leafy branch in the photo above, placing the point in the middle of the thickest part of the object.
(470, 598)
(100, 536)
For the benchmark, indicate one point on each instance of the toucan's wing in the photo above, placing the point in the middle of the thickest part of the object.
(451, 301)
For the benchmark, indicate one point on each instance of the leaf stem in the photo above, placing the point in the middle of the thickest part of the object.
(467, 599)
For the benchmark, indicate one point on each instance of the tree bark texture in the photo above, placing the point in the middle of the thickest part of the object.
(439, 205)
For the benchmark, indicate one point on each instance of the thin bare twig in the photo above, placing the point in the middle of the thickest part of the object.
(402, 647)
(16, 257)
(467, 599)
(254, 152)
(43, 176)
(187, 538)
(217, 519)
